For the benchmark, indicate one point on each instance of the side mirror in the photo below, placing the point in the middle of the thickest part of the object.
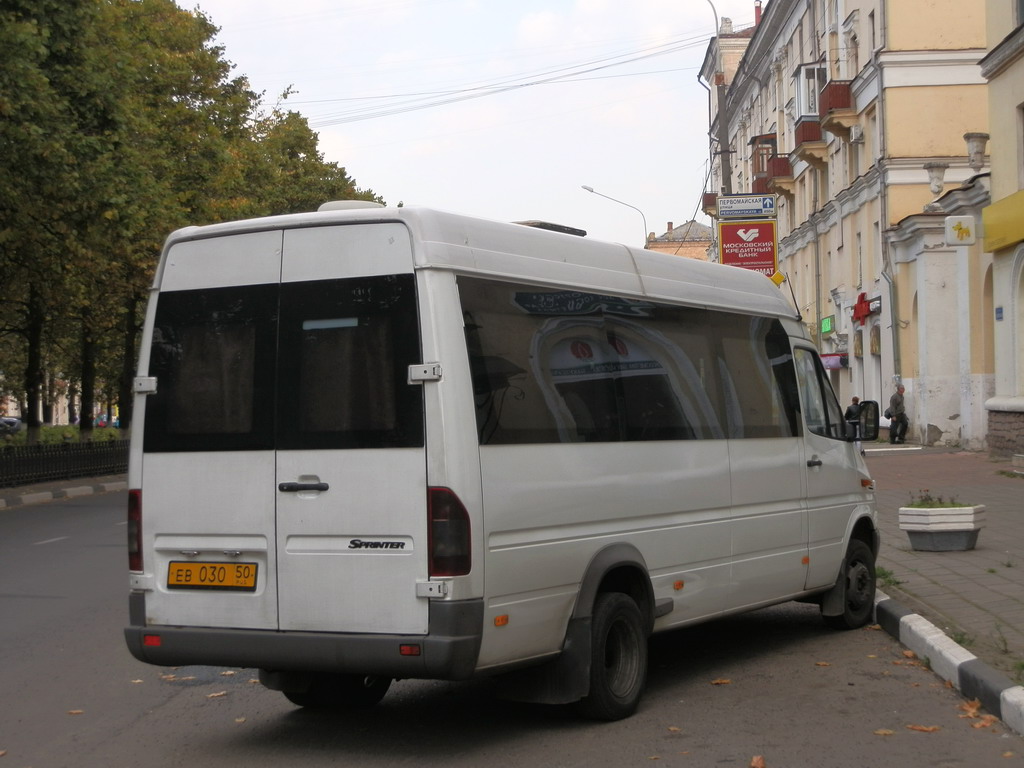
(868, 423)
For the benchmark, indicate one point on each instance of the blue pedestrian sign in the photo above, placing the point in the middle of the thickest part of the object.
(746, 206)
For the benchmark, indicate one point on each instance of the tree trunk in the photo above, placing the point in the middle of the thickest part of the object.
(72, 405)
(35, 322)
(88, 353)
(126, 395)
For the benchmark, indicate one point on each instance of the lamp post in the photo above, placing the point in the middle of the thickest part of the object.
(620, 202)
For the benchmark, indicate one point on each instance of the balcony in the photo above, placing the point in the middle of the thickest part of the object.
(759, 185)
(709, 204)
(780, 176)
(836, 108)
(810, 147)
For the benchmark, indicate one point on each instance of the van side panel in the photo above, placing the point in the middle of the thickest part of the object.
(550, 508)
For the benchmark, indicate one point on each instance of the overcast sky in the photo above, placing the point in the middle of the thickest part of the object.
(498, 109)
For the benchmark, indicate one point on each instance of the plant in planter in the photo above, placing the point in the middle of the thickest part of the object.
(935, 524)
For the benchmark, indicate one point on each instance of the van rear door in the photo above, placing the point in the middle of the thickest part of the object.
(284, 445)
(351, 469)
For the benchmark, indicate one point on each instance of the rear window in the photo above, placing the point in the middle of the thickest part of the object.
(318, 364)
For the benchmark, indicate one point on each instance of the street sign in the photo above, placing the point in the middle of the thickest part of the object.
(745, 206)
(749, 244)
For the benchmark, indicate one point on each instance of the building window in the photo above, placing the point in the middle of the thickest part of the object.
(811, 78)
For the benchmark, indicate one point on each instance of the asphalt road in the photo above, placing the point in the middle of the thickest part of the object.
(775, 683)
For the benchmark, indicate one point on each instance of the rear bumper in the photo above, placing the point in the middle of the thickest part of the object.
(448, 651)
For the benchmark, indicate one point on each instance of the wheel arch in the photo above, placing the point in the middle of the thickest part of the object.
(618, 567)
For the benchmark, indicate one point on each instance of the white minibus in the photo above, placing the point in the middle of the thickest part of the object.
(376, 444)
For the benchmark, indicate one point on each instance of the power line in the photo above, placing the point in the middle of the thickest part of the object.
(424, 100)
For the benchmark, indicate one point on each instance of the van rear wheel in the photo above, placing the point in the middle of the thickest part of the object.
(341, 692)
(857, 581)
(618, 658)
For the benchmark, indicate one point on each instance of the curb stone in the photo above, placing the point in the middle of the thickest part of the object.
(15, 499)
(962, 669)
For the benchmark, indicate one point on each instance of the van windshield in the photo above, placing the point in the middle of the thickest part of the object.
(318, 364)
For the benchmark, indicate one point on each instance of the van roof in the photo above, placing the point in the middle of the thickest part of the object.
(512, 251)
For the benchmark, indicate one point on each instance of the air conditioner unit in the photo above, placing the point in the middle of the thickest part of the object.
(856, 134)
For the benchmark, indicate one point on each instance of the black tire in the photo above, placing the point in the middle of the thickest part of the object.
(618, 658)
(341, 692)
(857, 581)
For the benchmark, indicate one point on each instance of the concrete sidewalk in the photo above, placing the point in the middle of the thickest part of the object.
(962, 611)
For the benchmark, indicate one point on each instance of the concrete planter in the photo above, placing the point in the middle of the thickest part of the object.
(942, 529)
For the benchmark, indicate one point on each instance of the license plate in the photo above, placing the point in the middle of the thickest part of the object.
(239, 577)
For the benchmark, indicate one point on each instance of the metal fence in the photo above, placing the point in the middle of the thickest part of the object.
(27, 464)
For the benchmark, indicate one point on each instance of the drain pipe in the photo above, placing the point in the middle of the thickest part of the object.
(888, 268)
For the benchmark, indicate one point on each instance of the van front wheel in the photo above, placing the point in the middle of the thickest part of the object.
(618, 660)
(341, 692)
(857, 582)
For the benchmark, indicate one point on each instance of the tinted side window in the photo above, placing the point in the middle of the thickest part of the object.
(758, 375)
(345, 351)
(213, 355)
(568, 366)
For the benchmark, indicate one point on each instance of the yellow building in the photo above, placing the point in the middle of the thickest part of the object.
(1003, 68)
(854, 112)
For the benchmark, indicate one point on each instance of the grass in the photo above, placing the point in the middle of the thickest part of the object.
(885, 577)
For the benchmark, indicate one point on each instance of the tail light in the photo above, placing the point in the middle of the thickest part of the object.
(135, 530)
(448, 539)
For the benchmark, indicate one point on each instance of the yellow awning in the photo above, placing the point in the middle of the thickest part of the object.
(1004, 222)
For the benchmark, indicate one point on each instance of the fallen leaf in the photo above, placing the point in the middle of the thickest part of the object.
(949, 683)
(924, 728)
(1007, 754)
(216, 695)
(239, 719)
(76, 711)
(884, 732)
(875, 627)
(721, 681)
(674, 728)
(872, 656)
(136, 681)
(822, 664)
(168, 677)
(970, 708)
(4, 752)
(654, 757)
(757, 762)
(985, 722)
(227, 673)
(909, 655)
(254, 680)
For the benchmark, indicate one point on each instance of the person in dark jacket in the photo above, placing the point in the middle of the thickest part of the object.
(898, 421)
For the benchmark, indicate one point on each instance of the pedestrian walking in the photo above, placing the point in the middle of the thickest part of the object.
(897, 414)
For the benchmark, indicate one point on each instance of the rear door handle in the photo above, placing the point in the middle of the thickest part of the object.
(810, 463)
(296, 487)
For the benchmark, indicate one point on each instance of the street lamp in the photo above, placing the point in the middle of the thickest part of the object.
(620, 202)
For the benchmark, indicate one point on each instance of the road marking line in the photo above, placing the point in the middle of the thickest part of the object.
(50, 541)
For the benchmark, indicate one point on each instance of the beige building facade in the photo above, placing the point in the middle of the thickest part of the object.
(854, 114)
(1003, 68)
